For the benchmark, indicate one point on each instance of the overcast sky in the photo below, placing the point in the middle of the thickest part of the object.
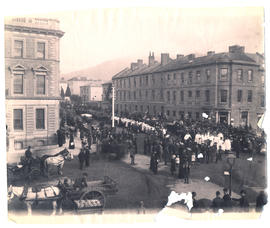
(97, 35)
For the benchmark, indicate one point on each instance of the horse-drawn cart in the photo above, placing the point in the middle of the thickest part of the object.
(93, 197)
(86, 200)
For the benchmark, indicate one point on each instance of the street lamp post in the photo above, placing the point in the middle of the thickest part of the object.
(231, 161)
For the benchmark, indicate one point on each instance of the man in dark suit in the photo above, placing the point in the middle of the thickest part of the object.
(217, 202)
(81, 157)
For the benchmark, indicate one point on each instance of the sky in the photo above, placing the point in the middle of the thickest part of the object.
(97, 35)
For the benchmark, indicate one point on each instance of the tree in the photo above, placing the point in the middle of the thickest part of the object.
(68, 92)
(62, 93)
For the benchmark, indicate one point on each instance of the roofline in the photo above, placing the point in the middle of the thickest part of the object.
(16, 28)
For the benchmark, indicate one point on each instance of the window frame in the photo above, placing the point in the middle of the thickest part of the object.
(21, 48)
(223, 77)
(22, 119)
(222, 93)
(45, 119)
(249, 96)
(241, 97)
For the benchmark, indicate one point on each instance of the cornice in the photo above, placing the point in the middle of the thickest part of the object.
(15, 28)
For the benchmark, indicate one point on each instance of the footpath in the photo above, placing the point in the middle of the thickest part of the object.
(204, 189)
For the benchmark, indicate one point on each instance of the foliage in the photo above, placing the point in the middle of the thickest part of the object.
(68, 92)
(62, 93)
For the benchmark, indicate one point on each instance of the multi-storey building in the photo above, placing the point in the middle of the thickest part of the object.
(91, 92)
(76, 82)
(226, 86)
(31, 81)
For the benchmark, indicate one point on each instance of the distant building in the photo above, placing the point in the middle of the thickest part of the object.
(91, 92)
(76, 82)
(228, 86)
(32, 81)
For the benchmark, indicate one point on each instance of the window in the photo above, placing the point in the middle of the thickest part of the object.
(18, 48)
(208, 74)
(168, 96)
(128, 82)
(18, 83)
(146, 94)
(134, 82)
(224, 74)
(198, 76)
(240, 75)
(198, 93)
(161, 94)
(174, 113)
(153, 79)
(207, 95)
(182, 96)
(146, 80)
(262, 101)
(41, 50)
(153, 94)
(189, 115)
(190, 75)
(174, 96)
(182, 78)
(18, 119)
(134, 93)
(168, 112)
(40, 118)
(250, 75)
(174, 76)
(168, 77)
(249, 98)
(197, 115)
(140, 81)
(223, 95)
(140, 94)
(154, 110)
(124, 95)
(18, 145)
(141, 108)
(136, 108)
(129, 95)
(124, 83)
(40, 84)
(189, 93)
(239, 95)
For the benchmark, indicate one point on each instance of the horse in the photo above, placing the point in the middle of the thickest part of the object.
(54, 160)
(30, 197)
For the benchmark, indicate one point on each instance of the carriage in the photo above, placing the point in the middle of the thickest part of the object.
(86, 200)
(93, 197)
(22, 172)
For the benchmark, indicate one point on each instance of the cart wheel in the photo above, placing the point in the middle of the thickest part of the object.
(94, 195)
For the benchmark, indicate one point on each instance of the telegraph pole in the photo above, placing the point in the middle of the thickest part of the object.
(113, 107)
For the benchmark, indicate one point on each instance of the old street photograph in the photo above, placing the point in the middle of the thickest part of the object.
(135, 111)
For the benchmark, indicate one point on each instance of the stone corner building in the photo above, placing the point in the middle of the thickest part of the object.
(228, 86)
(31, 81)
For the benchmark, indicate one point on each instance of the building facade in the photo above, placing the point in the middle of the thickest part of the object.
(91, 92)
(31, 81)
(76, 82)
(228, 86)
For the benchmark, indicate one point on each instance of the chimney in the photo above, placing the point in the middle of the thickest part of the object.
(139, 62)
(165, 58)
(133, 66)
(209, 53)
(151, 59)
(191, 56)
(236, 49)
(178, 56)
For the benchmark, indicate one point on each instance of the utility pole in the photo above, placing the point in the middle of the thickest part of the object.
(113, 107)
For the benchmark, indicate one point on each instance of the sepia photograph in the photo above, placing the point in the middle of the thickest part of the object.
(133, 114)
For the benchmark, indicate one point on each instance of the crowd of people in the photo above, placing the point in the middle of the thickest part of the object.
(179, 144)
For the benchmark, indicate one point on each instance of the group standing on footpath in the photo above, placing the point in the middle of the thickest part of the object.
(181, 145)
